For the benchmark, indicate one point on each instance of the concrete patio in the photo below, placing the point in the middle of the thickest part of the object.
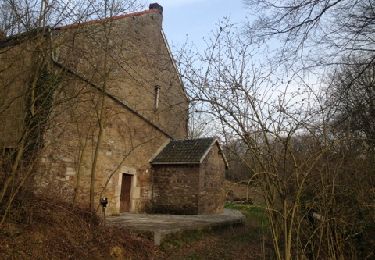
(162, 225)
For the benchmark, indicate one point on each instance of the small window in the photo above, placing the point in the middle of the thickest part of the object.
(157, 97)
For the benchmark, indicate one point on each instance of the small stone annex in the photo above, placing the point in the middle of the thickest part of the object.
(188, 177)
(112, 117)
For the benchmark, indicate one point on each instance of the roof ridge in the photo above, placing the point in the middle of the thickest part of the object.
(14, 39)
(193, 139)
(112, 18)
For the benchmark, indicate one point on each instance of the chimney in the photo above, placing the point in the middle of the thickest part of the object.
(156, 6)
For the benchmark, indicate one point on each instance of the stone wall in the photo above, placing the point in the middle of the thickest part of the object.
(175, 189)
(16, 74)
(211, 183)
(129, 57)
(194, 189)
(128, 142)
(138, 60)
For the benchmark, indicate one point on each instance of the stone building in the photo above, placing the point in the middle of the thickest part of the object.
(188, 177)
(94, 102)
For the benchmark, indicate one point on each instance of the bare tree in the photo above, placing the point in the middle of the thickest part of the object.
(314, 29)
(294, 154)
(24, 15)
(29, 23)
(350, 99)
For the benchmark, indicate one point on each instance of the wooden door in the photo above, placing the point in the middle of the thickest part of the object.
(125, 193)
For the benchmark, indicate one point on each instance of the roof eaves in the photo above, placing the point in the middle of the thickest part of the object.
(175, 163)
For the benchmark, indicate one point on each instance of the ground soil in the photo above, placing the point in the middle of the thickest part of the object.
(46, 229)
(234, 243)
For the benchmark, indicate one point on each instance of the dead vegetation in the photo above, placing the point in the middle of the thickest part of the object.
(41, 228)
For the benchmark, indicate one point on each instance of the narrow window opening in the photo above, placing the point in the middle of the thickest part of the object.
(157, 96)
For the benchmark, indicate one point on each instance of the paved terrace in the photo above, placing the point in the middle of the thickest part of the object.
(163, 225)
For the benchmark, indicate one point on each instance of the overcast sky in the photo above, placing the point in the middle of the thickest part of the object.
(197, 18)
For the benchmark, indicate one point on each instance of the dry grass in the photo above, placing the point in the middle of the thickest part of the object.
(41, 228)
(45, 229)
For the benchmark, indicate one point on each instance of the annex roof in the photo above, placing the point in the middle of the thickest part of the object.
(191, 151)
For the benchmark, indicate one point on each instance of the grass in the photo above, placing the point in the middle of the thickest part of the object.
(236, 242)
(181, 239)
(255, 215)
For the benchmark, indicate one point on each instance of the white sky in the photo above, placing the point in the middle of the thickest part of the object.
(194, 19)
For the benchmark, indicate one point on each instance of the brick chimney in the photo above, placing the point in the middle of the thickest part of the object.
(156, 6)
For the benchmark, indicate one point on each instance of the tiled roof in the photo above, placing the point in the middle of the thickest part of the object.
(184, 151)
